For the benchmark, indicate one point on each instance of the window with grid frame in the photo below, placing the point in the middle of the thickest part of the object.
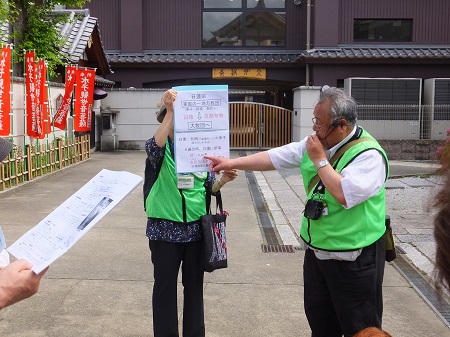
(382, 30)
(244, 23)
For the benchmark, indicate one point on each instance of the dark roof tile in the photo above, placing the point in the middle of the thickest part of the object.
(103, 82)
(204, 57)
(441, 52)
(77, 31)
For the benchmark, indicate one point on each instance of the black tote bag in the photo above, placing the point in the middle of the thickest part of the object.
(214, 240)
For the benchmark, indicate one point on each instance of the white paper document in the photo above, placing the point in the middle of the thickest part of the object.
(57, 232)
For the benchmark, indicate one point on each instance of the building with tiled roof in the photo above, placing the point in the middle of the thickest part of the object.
(83, 44)
(369, 53)
(160, 43)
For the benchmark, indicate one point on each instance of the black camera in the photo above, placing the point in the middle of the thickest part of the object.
(314, 209)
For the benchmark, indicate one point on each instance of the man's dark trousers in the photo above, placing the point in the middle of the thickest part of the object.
(344, 297)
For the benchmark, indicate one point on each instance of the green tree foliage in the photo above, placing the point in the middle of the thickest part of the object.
(34, 27)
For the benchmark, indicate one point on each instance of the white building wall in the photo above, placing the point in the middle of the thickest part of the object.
(136, 115)
(305, 98)
(18, 131)
(135, 120)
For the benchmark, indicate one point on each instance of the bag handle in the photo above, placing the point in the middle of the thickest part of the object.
(219, 205)
(208, 202)
(336, 157)
(219, 202)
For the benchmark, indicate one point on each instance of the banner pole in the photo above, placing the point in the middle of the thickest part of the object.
(65, 84)
(25, 111)
(11, 112)
(49, 99)
(11, 92)
(64, 144)
(73, 110)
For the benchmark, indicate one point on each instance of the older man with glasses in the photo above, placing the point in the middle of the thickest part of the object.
(344, 171)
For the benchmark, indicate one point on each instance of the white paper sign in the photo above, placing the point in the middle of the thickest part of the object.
(57, 232)
(201, 126)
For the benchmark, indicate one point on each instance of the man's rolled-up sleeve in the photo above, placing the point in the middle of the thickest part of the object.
(363, 177)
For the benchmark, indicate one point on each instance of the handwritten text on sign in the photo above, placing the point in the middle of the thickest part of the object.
(201, 126)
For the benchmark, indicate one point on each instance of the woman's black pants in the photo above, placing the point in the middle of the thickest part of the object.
(167, 258)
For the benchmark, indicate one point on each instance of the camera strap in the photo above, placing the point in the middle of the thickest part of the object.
(336, 158)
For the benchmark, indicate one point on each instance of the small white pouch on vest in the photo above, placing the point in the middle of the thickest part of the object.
(346, 256)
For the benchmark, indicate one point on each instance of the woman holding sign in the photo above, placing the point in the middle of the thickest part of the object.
(174, 204)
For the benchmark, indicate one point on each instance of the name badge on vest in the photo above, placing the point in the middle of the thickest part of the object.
(185, 181)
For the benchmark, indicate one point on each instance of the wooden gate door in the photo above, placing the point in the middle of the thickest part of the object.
(259, 126)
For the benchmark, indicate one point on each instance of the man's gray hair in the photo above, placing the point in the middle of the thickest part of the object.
(342, 104)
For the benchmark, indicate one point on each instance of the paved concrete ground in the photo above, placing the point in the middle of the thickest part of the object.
(102, 286)
(409, 192)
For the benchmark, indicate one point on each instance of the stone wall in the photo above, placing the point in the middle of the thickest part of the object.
(411, 149)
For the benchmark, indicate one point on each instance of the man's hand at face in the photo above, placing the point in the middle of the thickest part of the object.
(315, 149)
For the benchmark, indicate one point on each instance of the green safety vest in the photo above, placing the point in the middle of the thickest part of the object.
(166, 201)
(345, 229)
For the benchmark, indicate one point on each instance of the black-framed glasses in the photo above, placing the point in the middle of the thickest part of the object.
(318, 126)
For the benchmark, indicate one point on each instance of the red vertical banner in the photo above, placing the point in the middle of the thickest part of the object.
(5, 91)
(84, 97)
(31, 102)
(60, 119)
(39, 101)
(44, 111)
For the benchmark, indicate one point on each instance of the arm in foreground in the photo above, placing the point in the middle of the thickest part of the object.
(256, 162)
(18, 282)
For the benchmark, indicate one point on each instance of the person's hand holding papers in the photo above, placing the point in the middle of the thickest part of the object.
(18, 282)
